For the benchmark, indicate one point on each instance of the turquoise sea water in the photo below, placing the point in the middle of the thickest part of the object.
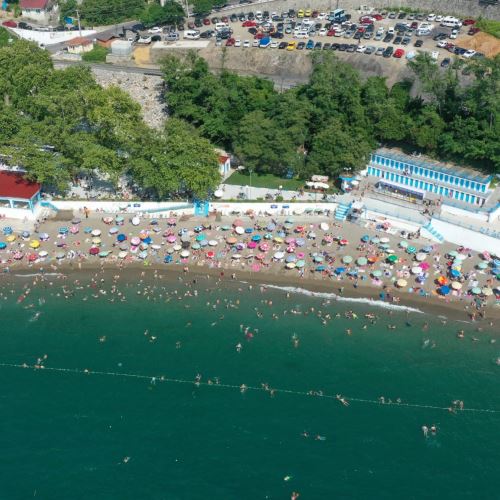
(66, 435)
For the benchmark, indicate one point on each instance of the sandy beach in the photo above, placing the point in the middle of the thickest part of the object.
(310, 252)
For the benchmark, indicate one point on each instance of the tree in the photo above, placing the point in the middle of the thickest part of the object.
(67, 8)
(98, 12)
(427, 129)
(170, 13)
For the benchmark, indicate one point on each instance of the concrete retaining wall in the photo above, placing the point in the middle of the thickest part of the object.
(459, 8)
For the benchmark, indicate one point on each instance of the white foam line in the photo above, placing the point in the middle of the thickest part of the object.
(333, 296)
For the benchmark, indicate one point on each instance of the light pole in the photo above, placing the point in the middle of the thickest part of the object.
(250, 191)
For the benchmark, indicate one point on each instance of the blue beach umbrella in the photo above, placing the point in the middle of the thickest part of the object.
(271, 227)
(427, 249)
(7, 230)
(455, 273)
(168, 259)
(339, 270)
(320, 268)
(249, 230)
(200, 237)
(300, 242)
(411, 249)
(195, 246)
(496, 262)
(444, 290)
(87, 230)
(268, 236)
(121, 237)
(291, 258)
(365, 238)
(147, 240)
(300, 263)
(63, 230)
(203, 243)
(256, 238)
(281, 234)
(3, 245)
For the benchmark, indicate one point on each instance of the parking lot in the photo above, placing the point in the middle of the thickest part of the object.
(386, 34)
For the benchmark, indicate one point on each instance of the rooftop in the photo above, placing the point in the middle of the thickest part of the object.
(425, 162)
(14, 185)
(33, 4)
(79, 40)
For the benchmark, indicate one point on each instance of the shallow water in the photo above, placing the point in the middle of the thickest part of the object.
(65, 435)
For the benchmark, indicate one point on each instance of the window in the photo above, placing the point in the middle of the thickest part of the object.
(392, 163)
(483, 188)
(446, 178)
(462, 182)
(473, 185)
(467, 184)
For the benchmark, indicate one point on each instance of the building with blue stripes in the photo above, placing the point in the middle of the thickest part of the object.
(416, 177)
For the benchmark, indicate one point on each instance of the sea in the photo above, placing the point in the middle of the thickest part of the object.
(133, 390)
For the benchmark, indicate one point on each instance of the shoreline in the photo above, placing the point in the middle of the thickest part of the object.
(451, 309)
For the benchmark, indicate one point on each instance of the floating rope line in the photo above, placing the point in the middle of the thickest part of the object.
(153, 379)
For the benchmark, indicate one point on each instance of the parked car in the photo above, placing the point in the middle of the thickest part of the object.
(388, 52)
(310, 45)
(380, 51)
(445, 62)
(317, 46)
(249, 24)
(282, 45)
(370, 50)
(434, 55)
(361, 49)
(246, 43)
(468, 22)
(398, 53)
(418, 43)
(265, 43)
(301, 45)
(470, 53)
(144, 40)
(473, 31)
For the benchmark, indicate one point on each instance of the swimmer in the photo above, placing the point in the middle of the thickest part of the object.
(425, 430)
(320, 438)
(295, 495)
(239, 347)
(342, 400)
(433, 429)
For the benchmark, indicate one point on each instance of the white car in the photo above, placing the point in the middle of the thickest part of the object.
(274, 45)
(322, 15)
(322, 32)
(435, 55)
(144, 39)
(255, 43)
(361, 48)
(380, 30)
(470, 53)
(258, 15)
(442, 44)
(237, 43)
(390, 31)
(439, 19)
(155, 30)
(431, 17)
(453, 34)
(410, 55)
(246, 43)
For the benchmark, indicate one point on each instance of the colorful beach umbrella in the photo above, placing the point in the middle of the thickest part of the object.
(444, 290)
(347, 259)
(362, 261)
(377, 273)
(392, 258)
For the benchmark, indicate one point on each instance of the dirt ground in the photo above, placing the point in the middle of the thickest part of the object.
(480, 42)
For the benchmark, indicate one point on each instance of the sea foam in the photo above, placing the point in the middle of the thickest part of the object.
(333, 296)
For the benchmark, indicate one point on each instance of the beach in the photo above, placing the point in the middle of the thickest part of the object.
(312, 252)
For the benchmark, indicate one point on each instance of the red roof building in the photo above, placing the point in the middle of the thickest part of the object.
(15, 188)
(33, 4)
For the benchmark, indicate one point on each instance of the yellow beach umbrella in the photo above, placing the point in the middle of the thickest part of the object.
(11, 238)
(34, 243)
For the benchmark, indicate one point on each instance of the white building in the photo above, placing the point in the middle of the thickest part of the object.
(39, 10)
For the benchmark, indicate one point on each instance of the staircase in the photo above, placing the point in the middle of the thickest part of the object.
(341, 211)
(430, 233)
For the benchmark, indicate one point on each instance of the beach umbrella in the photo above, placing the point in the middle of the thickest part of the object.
(279, 255)
(487, 291)
(290, 265)
(3, 245)
(482, 265)
(237, 222)
(119, 219)
(60, 255)
(339, 270)
(96, 241)
(113, 230)
(318, 258)
(212, 243)
(43, 254)
(324, 226)
(200, 237)
(268, 236)
(311, 235)
(171, 238)
(420, 256)
(461, 256)
(43, 236)
(401, 283)
(455, 273)
(453, 253)
(256, 238)
(347, 259)
(289, 239)
(260, 256)
(121, 237)
(18, 255)
(34, 243)
(248, 230)
(375, 240)
(96, 232)
(362, 261)
(241, 246)
(231, 240)
(143, 255)
(476, 290)
(7, 230)
(74, 229)
(10, 238)
(104, 253)
(255, 267)
(239, 230)
(290, 249)
(63, 230)
(495, 271)
(444, 290)
(25, 234)
(252, 245)
(278, 239)
(427, 249)
(236, 256)
(135, 221)
(300, 242)
(392, 258)
(271, 227)
(94, 250)
(185, 253)
(87, 230)
(442, 280)
(411, 250)
(343, 242)
(403, 244)
(291, 258)
(300, 263)
(365, 238)
(321, 268)
(300, 229)
(135, 241)
(328, 238)
(264, 247)
(377, 273)
(456, 285)
(195, 246)
(496, 262)
(204, 243)
(424, 266)
(384, 246)
(384, 240)
(416, 270)
(122, 254)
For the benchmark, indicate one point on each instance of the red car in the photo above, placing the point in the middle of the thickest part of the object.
(206, 21)
(315, 13)
(377, 17)
(366, 20)
(224, 19)
(259, 36)
(9, 24)
(468, 22)
(398, 53)
(330, 33)
(249, 24)
(230, 42)
(473, 31)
